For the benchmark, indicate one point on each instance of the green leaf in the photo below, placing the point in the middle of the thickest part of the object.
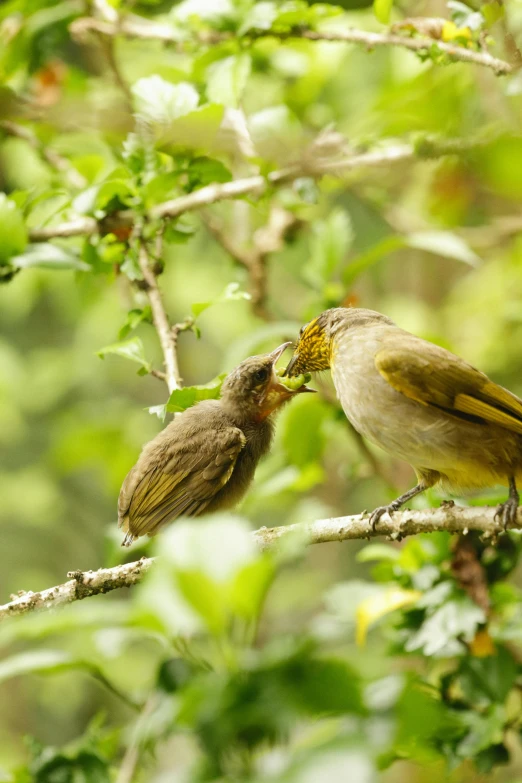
(382, 10)
(464, 16)
(491, 12)
(490, 678)
(197, 130)
(212, 11)
(48, 256)
(444, 632)
(135, 318)
(443, 243)
(174, 674)
(227, 79)
(130, 349)
(232, 293)
(292, 14)
(181, 399)
(378, 552)
(161, 187)
(492, 756)
(85, 767)
(13, 233)
(250, 586)
(420, 716)
(209, 562)
(35, 662)
(205, 597)
(484, 730)
(260, 17)
(203, 171)
(181, 230)
(329, 687)
(118, 191)
(158, 100)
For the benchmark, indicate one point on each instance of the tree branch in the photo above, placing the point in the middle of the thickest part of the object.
(136, 27)
(266, 240)
(417, 44)
(211, 194)
(81, 584)
(448, 518)
(166, 334)
(82, 226)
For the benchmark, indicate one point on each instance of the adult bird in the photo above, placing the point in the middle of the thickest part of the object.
(205, 459)
(419, 402)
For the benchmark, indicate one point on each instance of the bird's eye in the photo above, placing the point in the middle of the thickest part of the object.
(261, 375)
(301, 331)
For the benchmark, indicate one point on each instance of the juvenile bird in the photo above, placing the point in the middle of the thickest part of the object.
(205, 459)
(419, 402)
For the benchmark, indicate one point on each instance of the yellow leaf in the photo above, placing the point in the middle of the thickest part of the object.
(451, 31)
(376, 606)
(482, 645)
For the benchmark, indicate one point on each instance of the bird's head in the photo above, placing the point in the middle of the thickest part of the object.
(314, 348)
(254, 389)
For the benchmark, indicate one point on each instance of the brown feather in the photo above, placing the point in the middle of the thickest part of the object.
(431, 375)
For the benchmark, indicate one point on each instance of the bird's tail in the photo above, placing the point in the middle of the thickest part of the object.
(127, 541)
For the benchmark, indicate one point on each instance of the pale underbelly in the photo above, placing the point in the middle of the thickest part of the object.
(466, 454)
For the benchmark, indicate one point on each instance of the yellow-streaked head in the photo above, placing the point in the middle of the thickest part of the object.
(314, 348)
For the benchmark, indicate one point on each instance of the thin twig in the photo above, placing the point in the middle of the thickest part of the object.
(82, 226)
(417, 44)
(448, 518)
(160, 320)
(53, 158)
(211, 194)
(108, 47)
(136, 27)
(132, 754)
(253, 261)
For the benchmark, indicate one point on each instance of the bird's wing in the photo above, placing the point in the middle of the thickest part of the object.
(435, 377)
(193, 475)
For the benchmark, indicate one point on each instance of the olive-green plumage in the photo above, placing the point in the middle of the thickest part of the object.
(205, 459)
(419, 402)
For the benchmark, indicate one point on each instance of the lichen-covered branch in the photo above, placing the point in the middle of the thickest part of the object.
(81, 584)
(448, 518)
(136, 27)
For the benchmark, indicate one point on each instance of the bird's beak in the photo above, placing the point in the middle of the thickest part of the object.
(275, 355)
(290, 365)
(276, 393)
(275, 384)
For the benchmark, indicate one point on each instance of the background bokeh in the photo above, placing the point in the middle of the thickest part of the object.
(435, 242)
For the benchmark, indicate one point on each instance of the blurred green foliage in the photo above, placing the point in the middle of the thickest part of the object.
(227, 663)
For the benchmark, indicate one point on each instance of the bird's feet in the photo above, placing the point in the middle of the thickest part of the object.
(506, 513)
(381, 511)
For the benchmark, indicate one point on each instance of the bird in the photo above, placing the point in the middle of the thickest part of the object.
(205, 459)
(419, 402)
